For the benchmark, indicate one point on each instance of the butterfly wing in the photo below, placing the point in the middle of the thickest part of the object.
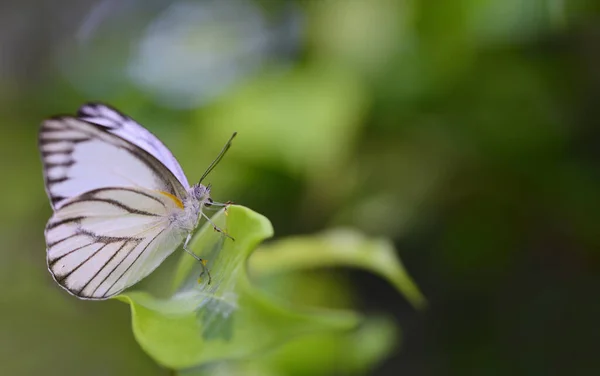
(106, 240)
(126, 128)
(79, 156)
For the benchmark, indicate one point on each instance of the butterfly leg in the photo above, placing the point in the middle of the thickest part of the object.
(201, 260)
(218, 205)
(216, 228)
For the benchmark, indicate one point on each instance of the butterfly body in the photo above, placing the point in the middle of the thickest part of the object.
(121, 202)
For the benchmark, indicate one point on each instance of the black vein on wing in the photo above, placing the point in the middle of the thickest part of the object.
(94, 192)
(92, 110)
(102, 268)
(75, 140)
(61, 278)
(80, 231)
(48, 153)
(70, 162)
(66, 150)
(118, 204)
(56, 199)
(52, 225)
(57, 180)
(133, 262)
(116, 266)
(51, 245)
(52, 262)
(94, 238)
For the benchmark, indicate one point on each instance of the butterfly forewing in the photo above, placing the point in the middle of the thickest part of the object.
(80, 156)
(106, 240)
(126, 128)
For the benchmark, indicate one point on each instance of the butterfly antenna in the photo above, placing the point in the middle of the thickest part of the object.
(219, 157)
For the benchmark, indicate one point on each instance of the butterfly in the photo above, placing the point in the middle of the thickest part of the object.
(121, 202)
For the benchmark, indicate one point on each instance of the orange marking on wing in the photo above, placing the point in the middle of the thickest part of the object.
(174, 198)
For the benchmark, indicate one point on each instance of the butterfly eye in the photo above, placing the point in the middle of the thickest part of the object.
(208, 202)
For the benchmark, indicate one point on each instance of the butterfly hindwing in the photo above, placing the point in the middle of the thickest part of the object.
(126, 128)
(79, 156)
(108, 239)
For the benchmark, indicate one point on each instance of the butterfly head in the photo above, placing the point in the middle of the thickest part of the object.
(201, 193)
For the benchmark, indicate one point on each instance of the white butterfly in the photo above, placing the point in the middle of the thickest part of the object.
(121, 202)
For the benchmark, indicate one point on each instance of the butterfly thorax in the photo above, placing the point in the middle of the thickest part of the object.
(187, 220)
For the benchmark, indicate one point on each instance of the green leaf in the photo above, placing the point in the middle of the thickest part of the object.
(228, 319)
(232, 319)
(343, 353)
(339, 247)
(283, 268)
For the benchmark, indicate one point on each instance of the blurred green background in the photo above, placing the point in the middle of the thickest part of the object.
(466, 131)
